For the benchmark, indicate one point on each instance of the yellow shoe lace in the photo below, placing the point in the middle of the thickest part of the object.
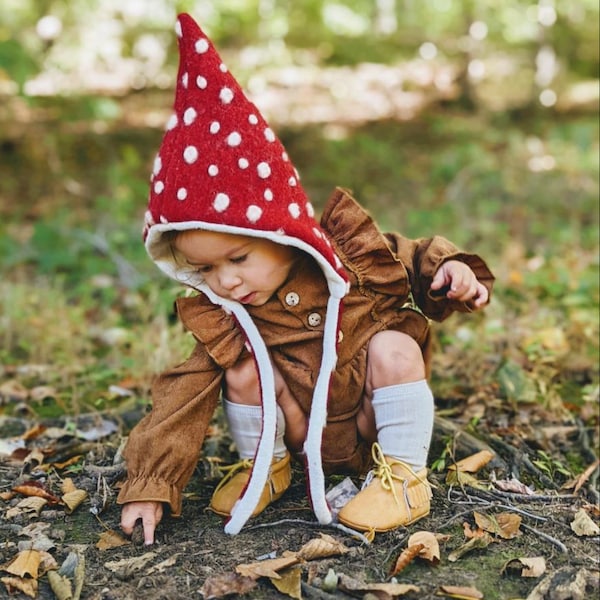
(383, 471)
(232, 470)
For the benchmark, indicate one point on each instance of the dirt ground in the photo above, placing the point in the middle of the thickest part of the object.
(193, 552)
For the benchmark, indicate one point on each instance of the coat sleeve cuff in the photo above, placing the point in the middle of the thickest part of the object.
(148, 489)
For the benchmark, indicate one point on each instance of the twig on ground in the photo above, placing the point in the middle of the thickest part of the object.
(350, 532)
(394, 550)
(451, 520)
(502, 495)
(525, 513)
(469, 499)
(343, 528)
(586, 475)
(486, 504)
(547, 537)
(110, 471)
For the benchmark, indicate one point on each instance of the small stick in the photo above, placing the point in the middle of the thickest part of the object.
(548, 538)
(339, 526)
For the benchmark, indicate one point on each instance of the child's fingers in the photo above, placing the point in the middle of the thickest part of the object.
(438, 280)
(482, 295)
(149, 524)
(128, 520)
(150, 521)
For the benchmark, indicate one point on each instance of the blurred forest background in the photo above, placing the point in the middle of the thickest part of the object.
(477, 120)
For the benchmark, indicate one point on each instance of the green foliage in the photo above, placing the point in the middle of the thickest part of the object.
(551, 466)
(81, 274)
(519, 186)
(330, 31)
(16, 62)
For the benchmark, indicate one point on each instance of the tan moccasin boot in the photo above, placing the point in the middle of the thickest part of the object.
(230, 488)
(393, 495)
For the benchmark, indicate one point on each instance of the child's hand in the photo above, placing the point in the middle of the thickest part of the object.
(149, 512)
(462, 282)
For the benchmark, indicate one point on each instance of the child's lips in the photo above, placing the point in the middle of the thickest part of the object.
(247, 298)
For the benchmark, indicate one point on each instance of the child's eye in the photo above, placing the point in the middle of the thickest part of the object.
(204, 269)
(239, 259)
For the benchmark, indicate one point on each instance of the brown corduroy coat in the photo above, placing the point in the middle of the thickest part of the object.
(389, 277)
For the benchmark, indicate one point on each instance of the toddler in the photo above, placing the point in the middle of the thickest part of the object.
(315, 336)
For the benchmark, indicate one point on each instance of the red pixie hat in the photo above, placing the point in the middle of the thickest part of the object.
(220, 162)
(221, 168)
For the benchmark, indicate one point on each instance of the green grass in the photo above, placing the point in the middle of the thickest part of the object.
(78, 293)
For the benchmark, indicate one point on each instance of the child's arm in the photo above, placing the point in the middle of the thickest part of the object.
(383, 261)
(163, 449)
(438, 260)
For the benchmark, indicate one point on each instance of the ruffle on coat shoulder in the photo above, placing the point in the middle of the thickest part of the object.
(362, 247)
(213, 327)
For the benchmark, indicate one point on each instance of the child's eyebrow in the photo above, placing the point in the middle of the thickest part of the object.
(236, 250)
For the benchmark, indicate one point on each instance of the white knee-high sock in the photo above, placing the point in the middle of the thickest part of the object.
(245, 427)
(404, 421)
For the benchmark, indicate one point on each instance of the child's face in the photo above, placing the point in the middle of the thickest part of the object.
(237, 267)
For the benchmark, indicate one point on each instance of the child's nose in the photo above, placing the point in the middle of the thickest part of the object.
(229, 279)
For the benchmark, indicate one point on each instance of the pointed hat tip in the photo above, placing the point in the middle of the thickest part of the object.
(186, 25)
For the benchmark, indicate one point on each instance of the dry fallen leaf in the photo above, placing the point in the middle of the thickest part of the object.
(34, 459)
(13, 391)
(422, 544)
(27, 585)
(470, 533)
(321, 547)
(514, 486)
(24, 569)
(41, 392)
(38, 538)
(67, 463)
(161, 566)
(24, 563)
(525, 567)
(290, 583)
(266, 568)
(383, 591)
(226, 585)
(460, 592)
(504, 525)
(582, 479)
(73, 568)
(125, 568)
(34, 432)
(583, 525)
(473, 463)
(406, 557)
(431, 546)
(61, 586)
(31, 506)
(35, 488)
(473, 544)
(462, 478)
(67, 485)
(111, 539)
(73, 499)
